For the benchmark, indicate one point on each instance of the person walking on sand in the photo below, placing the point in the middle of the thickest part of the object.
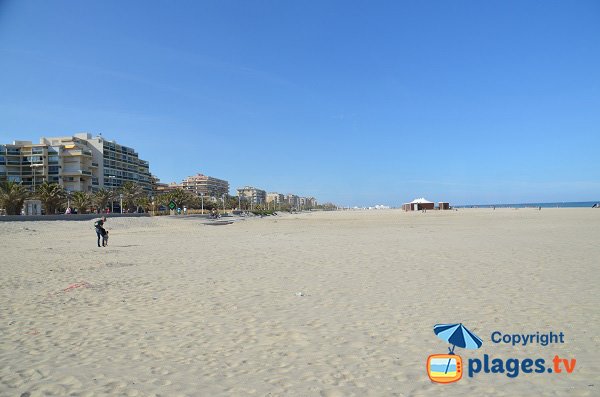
(99, 225)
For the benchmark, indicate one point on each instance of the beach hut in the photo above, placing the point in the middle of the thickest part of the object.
(32, 207)
(443, 206)
(419, 204)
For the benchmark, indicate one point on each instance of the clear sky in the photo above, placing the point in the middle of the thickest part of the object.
(358, 103)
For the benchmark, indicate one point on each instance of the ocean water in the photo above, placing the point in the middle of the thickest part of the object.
(442, 365)
(565, 204)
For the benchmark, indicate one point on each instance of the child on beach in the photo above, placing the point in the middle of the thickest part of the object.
(105, 238)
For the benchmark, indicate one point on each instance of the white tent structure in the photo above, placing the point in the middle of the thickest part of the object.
(418, 204)
(421, 200)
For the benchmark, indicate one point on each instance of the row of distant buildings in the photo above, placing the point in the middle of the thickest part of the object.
(259, 196)
(85, 163)
(213, 188)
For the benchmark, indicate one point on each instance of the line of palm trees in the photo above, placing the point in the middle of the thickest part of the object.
(55, 199)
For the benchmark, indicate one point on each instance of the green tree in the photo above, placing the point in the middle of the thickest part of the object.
(183, 198)
(102, 198)
(82, 201)
(12, 197)
(132, 192)
(327, 207)
(145, 203)
(231, 202)
(161, 199)
(52, 196)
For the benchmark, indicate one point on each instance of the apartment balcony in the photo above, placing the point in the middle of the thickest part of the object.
(76, 173)
(94, 164)
(72, 153)
(27, 163)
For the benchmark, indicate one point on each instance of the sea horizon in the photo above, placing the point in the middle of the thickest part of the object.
(557, 204)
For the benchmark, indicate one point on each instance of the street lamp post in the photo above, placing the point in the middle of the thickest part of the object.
(34, 171)
(202, 198)
(121, 197)
(112, 192)
(223, 198)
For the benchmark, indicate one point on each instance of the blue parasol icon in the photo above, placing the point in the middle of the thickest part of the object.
(457, 335)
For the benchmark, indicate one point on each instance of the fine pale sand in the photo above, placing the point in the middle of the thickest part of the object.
(331, 304)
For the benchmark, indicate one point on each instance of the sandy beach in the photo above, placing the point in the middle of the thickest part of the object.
(313, 304)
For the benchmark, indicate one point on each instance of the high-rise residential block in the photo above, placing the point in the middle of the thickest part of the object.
(253, 195)
(78, 163)
(206, 186)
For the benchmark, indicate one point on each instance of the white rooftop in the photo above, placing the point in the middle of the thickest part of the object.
(421, 201)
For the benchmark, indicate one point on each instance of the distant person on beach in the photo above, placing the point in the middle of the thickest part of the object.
(99, 226)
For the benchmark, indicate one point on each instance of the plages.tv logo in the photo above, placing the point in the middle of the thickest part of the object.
(448, 368)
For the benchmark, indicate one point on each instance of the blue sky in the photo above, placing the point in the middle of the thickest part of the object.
(359, 103)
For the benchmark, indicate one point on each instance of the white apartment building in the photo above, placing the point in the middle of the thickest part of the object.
(78, 163)
(307, 202)
(252, 194)
(292, 200)
(274, 197)
(206, 186)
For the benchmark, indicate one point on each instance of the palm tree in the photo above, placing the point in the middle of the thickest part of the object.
(145, 203)
(51, 195)
(183, 197)
(232, 202)
(131, 192)
(102, 197)
(81, 201)
(12, 197)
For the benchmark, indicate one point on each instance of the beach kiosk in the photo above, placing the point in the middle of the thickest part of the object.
(32, 207)
(419, 204)
(443, 205)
